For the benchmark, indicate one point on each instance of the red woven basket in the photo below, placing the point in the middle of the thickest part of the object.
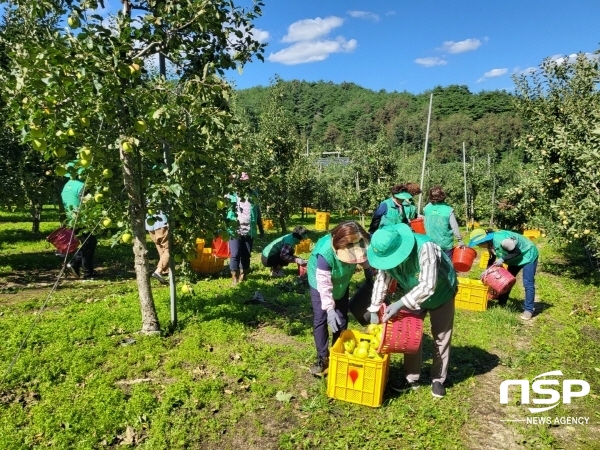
(64, 240)
(499, 279)
(402, 333)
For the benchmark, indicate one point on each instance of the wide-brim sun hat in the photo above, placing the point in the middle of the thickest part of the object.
(479, 236)
(354, 253)
(390, 246)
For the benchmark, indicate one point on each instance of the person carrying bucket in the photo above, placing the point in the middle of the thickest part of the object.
(391, 211)
(426, 276)
(280, 252)
(517, 252)
(71, 196)
(331, 265)
(440, 222)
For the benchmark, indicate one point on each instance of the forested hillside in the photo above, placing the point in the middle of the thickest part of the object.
(331, 115)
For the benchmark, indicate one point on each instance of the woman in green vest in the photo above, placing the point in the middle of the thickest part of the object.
(517, 252)
(426, 276)
(280, 252)
(244, 212)
(330, 268)
(440, 222)
(391, 210)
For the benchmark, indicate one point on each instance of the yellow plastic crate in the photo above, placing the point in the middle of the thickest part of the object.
(322, 221)
(532, 234)
(471, 295)
(303, 247)
(353, 379)
(207, 263)
(484, 259)
(267, 224)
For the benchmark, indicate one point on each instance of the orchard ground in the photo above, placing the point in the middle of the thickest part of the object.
(86, 379)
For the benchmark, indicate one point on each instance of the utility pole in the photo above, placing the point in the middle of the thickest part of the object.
(162, 66)
(425, 152)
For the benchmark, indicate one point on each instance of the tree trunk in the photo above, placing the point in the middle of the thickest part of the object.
(150, 324)
(282, 224)
(36, 216)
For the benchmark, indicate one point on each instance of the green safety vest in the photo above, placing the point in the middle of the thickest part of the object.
(407, 276)
(71, 197)
(437, 224)
(341, 272)
(529, 251)
(274, 248)
(410, 210)
(394, 214)
(231, 214)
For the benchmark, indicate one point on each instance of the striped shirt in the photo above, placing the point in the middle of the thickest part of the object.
(430, 258)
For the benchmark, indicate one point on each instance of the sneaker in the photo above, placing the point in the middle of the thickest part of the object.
(320, 368)
(72, 270)
(438, 390)
(277, 273)
(159, 277)
(405, 385)
(526, 315)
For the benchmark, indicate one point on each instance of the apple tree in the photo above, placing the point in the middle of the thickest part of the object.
(86, 98)
(560, 104)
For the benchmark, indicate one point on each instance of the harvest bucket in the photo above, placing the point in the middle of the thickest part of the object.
(462, 258)
(220, 248)
(499, 279)
(64, 240)
(402, 333)
(418, 225)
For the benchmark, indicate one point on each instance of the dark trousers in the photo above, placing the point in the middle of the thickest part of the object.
(240, 250)
(320, 330)
(273, 261)
(84, 257)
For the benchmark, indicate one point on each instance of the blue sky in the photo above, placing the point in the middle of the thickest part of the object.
(415, 45)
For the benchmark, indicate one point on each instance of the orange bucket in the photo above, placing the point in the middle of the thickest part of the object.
(462, 258)
(418, 225)
(499, 279)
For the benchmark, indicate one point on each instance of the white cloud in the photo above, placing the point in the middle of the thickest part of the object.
(431, 61)
(306, 52)
(259, 35)
(363, 15)
(494, 73)
(467, 45)
(311, 29)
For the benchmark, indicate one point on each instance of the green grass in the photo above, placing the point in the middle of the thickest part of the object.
(86, 379)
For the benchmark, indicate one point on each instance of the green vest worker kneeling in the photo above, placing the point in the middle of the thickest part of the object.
(330, 268)
(280, 252)
(426, 276)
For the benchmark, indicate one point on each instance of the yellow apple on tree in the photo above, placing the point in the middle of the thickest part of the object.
(39, 144)
(140, 126)
(59, 152)
(73, 22)
(60, 171)
(135, 69)
(36, 131)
